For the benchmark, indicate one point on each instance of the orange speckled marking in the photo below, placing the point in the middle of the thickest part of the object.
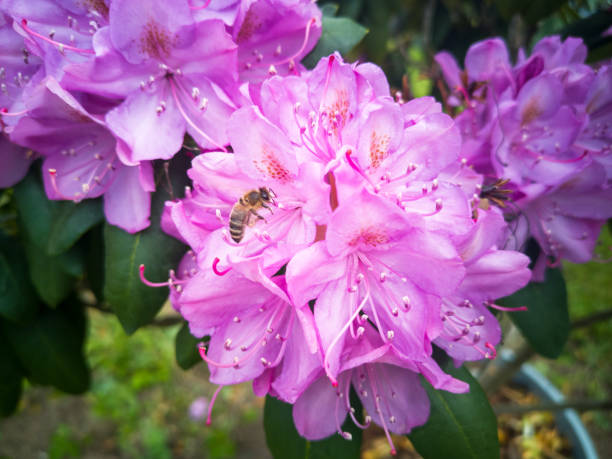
(379, 148)
(250, 26)
(270, 166)
(369, 236)
(531, 112)
(97, 5)
(155, 40)
(338, 109)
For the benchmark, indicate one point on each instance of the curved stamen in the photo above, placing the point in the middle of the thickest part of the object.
(4, 112)
(237, 362)
(61, 46)
(216, 270)
(210, 405)
(340, 335)
(504, 308)
(291, 58)
(358, 169)
(143, 279)
(188, 120)
(352, 411)
(53, 175)
(343, 434)
(379, 410)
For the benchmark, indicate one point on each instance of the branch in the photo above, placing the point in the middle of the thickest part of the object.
(580, 405)
(593, 318)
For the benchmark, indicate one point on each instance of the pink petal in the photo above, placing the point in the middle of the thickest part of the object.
(126, 203)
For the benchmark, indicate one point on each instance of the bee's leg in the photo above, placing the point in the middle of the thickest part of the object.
(263, 204)
(259, 217)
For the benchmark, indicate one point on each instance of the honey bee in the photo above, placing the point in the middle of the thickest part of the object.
(247, 206)
(494, 193)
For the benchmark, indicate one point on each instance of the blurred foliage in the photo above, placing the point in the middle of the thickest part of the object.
(405, 34)
(583, 370)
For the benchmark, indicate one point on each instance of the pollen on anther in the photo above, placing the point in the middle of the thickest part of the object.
(236, 319)
(390, 334)
(228, 343)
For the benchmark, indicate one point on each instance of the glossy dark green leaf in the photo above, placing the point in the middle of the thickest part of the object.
(49, 273)
(70, 221)
(282, 438)
(284, 441)
(94, 261)
(460, 426)
(35, 210)
(338, 34)
(186, 348)
(11, 380)
(54, 226)
(17, 299)
(50, 348)
(546, 322)
(48, 224)
(135, 303)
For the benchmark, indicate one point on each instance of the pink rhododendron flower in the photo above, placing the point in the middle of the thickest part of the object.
(273, 36)
(17, 68)
(543, 125)
(80, 156)
(371, 216)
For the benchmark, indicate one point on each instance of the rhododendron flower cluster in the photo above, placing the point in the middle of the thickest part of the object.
(368, 255)
(101, 89)
(542, 126)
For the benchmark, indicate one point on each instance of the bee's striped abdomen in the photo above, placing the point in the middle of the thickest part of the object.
(237, 222)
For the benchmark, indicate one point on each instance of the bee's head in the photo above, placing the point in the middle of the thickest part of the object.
(264, 193)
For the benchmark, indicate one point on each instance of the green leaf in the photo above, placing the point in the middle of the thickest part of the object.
(94, 261)
(338, 34)
(49, 273)
(546, 322)
(284, 441)
(11, 380)
(459, 425)
(70, 221)
(282, 438)
(135, 303)
(329, 9)
(50, 348)
(17, 299)
(186, 348)
(48, 224)
(35, 210)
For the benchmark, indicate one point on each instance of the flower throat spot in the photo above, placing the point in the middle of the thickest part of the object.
(370, 236)
(156, 40)
(379, 145)
(270, 166)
